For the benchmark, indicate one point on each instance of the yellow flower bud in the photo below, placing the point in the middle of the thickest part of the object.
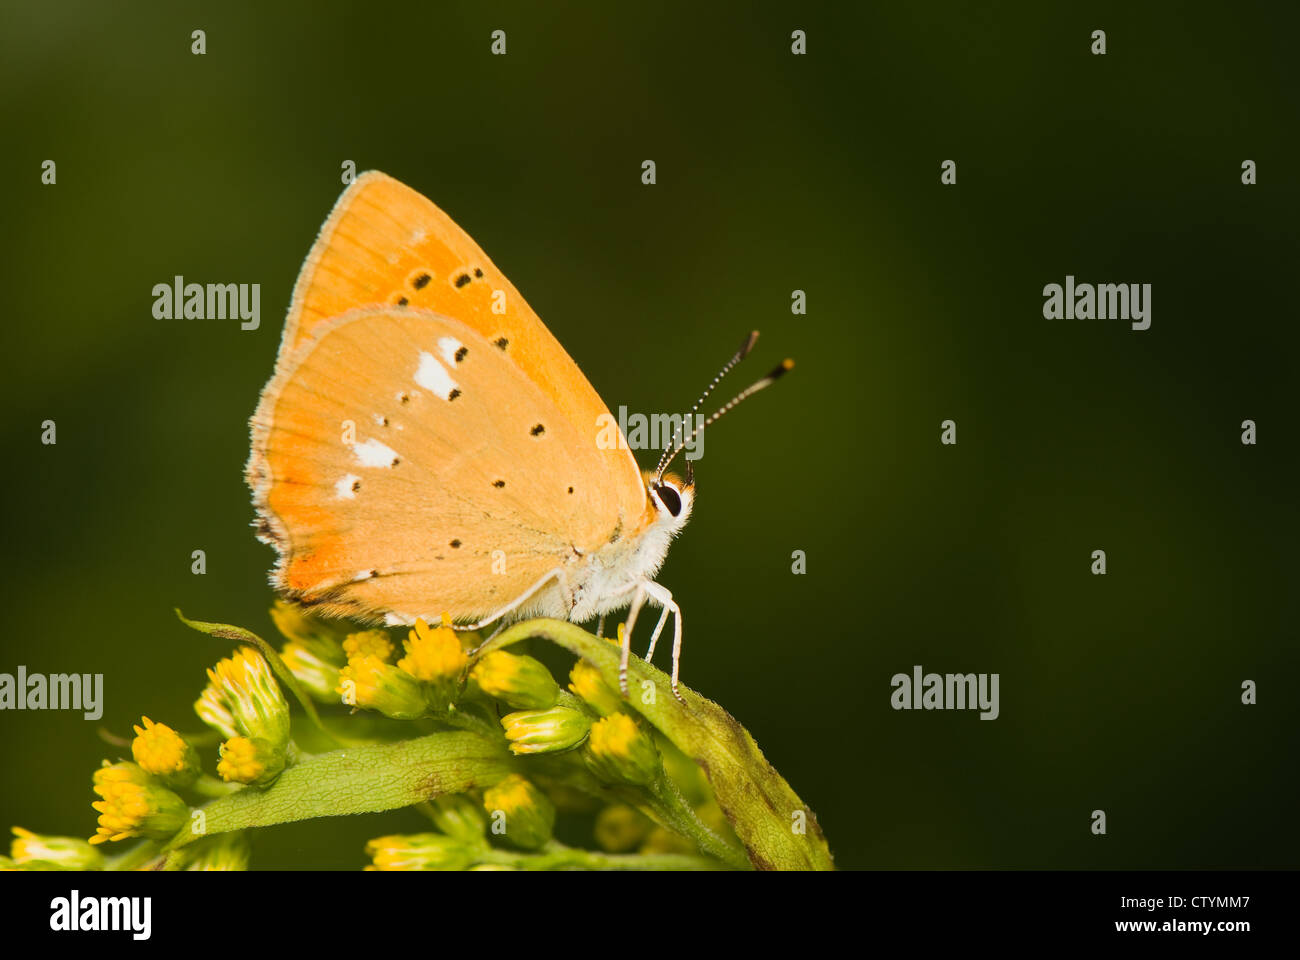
(243, 698)
(587, 683)
(419, 851)
(132, 805)
(618, 749)
(163, 752)
(368, 643)
(433, 654)
(370, 683)
(520, 812)
(61, 853)
(545, 731)
(252, 761)
(522, 682)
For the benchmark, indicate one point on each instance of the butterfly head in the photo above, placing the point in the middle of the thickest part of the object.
(671, 496)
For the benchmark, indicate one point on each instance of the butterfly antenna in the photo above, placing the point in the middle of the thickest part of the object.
(739, 355)
(784, 367)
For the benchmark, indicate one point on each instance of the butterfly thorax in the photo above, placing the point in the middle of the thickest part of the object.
(602, 581)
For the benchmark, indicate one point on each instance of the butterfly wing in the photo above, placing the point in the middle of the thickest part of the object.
(385, 243)
(404, 464)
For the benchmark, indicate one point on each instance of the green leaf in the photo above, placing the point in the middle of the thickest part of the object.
(365, 779)
(759, 803)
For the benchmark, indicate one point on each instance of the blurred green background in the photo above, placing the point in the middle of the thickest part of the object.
(775, 172)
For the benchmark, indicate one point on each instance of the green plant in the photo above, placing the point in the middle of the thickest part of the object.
(484, 742)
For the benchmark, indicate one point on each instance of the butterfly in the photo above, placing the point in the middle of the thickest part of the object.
(426, 446)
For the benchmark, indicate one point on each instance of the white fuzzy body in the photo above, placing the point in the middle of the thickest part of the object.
(600, 582)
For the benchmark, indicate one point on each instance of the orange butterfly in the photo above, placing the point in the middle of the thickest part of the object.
(427, 446)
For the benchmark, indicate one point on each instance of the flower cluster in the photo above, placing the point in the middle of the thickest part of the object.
(545, 748)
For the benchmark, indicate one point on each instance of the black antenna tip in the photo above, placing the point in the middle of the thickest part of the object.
(748, 345)
(784, 367)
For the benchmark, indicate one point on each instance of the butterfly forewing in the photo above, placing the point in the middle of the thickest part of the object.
(385, 243)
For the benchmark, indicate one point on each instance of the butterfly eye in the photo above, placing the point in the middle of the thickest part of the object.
(670, 498)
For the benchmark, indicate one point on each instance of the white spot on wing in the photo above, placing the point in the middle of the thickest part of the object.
(372, 453)
(343, 488)
(449, 347)
(363, 575)
(433, 376)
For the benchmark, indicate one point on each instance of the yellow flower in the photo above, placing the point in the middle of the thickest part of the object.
(619, 750)
(160, 750)
(369, 682)
(133, 806)
(249, 761)
(545, 731)
(368, 643)
(520, 812)
(64, 853)
(522, 682)
(586, 682)
(243, 697)
(419, 851)
(433, 654)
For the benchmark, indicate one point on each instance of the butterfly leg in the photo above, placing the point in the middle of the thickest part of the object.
(600, 627)
(557, 575)
(654, 637)
(663, 596)
(638, 600)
